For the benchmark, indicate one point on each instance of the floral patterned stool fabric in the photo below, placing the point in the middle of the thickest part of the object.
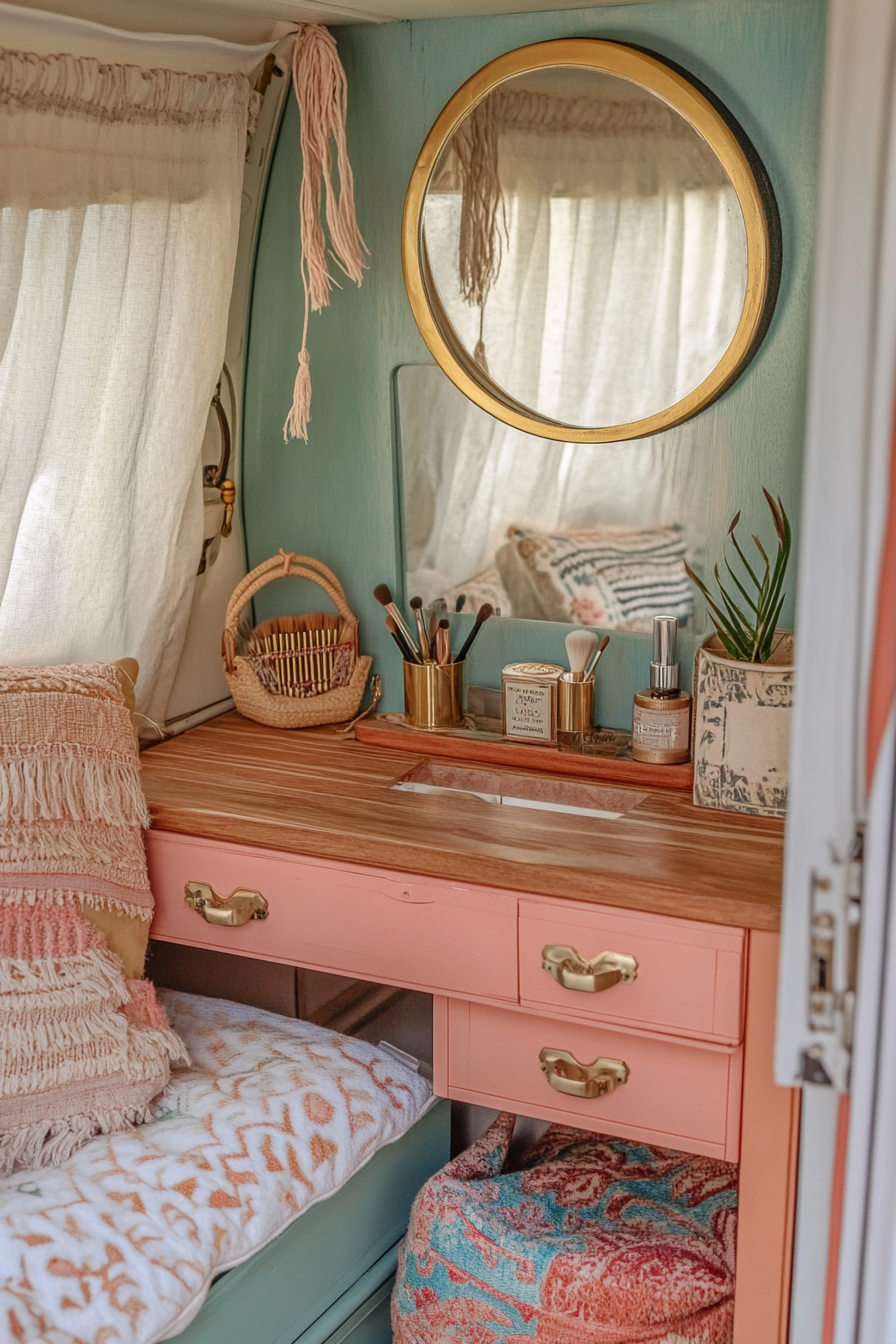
(586, 1240)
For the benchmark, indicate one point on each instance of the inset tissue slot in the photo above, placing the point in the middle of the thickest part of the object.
(519, 790)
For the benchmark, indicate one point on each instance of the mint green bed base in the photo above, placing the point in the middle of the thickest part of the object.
(327, 1279)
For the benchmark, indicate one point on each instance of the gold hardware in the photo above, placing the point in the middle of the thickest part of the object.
(376, 695)
(267, 74)
(215, 476)
(590, 977)
(228, 498)
(566, 1074)
(231, 911)
(215, 473)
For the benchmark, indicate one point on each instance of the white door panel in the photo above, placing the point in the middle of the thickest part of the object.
(836, 887)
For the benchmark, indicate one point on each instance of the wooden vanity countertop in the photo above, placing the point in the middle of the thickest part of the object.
(314, 793)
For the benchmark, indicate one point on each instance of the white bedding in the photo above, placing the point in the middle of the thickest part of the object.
(121, 1244)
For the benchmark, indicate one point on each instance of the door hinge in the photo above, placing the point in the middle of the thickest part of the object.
(836, 912)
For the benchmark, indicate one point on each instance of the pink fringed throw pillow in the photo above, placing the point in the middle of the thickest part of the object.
(84, 1046)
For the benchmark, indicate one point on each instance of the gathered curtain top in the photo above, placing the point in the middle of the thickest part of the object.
(76, 131)
(86, 89)
(550, 145)
(540, 113)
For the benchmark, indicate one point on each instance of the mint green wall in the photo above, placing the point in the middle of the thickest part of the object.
(336, 498)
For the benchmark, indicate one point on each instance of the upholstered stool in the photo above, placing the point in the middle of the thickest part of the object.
(586, 1238)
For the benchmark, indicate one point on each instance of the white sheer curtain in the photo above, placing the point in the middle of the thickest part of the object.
(119, 214)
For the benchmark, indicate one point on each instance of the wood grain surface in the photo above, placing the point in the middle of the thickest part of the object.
(495, 751)
(311, 792)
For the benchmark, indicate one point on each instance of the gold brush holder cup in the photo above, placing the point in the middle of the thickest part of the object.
(575, 710)
(433, 695)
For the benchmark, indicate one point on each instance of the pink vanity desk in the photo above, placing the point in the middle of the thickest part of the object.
(458, 898)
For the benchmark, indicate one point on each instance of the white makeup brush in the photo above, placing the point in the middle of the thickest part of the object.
(580, 644)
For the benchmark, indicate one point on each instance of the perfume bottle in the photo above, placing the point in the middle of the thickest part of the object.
(661, 717)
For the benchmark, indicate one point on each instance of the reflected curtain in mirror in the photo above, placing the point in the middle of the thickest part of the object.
(595, 534)
(591, 246)
(587, 247)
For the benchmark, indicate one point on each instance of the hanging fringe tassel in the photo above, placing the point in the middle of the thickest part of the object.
(296, 426)
(72, 784)
(47, 1143)
(60, 982)
(482, 216)
(50, 896)
(322, 95)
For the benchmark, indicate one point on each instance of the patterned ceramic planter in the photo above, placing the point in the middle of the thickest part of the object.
(741, 729)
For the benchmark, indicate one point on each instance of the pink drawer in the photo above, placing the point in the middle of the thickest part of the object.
(690, 976)
(678, 1095)
(364, 922)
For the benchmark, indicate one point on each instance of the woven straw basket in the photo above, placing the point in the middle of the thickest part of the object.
(253, 699)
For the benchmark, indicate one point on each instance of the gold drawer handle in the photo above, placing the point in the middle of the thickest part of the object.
(566, 1074)
(231, 911)
(590, 977)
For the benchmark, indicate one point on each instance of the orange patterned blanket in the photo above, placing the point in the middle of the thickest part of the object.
(122, 1241)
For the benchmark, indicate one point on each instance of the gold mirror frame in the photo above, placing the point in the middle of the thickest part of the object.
(723, 135)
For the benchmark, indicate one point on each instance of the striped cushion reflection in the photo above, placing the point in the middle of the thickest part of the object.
(611, 577)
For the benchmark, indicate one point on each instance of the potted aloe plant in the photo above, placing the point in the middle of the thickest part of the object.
(743, 681)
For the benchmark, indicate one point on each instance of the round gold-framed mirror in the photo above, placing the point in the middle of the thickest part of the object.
(591, 245)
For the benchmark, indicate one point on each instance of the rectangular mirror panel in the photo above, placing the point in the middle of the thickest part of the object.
(591, 534)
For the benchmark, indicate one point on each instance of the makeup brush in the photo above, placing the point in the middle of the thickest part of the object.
(580, 644)
(482, 616)
(300, 649)
(408, 654)
(459, 601)
(384, 597)
(443, 642)
(422, 636)
(437, 610)
(589, 672)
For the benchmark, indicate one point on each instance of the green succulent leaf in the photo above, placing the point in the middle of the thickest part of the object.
(751, 602)
(749, 635)
(743, 559)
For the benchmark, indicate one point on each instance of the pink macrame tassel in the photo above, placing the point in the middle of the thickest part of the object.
(322, 95)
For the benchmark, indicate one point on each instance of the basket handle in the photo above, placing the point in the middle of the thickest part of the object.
(286, 564)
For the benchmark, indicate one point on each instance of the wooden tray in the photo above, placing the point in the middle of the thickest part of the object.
(492, 749)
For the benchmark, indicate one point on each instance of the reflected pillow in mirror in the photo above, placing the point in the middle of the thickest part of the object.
(616, 578)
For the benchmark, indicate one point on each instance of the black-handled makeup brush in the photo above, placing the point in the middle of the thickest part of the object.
(422, 636)
(384, 597)
(482, 616)
(443, 642)
(408, 654)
